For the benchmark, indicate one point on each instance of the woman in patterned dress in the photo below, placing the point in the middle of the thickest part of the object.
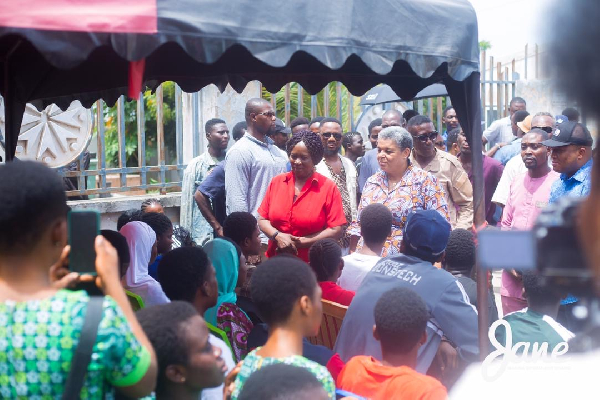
(40, 323)
(399, 186)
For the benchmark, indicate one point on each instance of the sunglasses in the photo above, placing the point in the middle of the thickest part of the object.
(327, 135)
(547, 129)
(532, 146)
(427, 136)
(268, 114)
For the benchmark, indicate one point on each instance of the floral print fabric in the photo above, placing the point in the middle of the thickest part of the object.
(417, 190)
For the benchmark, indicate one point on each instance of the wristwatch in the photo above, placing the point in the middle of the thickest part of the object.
(274, 235)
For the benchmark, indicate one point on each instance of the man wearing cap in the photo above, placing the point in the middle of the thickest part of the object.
(217, 136)
(515, 166)
(339, 169)
(452, 318)
(280, 134)
(571, 146)
(521, 124)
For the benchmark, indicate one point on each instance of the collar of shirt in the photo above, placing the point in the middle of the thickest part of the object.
(406, 180)
(312, 181)
(582, 173)
(433, 166)
(259, 142)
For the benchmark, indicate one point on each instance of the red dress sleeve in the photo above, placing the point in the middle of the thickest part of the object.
(263, 210)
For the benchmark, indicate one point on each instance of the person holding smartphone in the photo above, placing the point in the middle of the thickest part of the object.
(42, 321)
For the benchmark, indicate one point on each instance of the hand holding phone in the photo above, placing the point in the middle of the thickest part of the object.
(83, 226)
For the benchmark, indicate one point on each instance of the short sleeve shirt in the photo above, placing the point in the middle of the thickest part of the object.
(38, 339)
(319, 206)
(213, 187)
(254, 362)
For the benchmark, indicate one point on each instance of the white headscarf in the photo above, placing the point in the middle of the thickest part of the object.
(140, 239)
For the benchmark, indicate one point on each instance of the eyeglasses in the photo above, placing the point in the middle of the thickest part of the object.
(547, 129)
(532, 146)
(327, 135)
(268, 114)
(427, 136)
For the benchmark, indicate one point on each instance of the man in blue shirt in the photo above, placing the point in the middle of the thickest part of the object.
(571, 145)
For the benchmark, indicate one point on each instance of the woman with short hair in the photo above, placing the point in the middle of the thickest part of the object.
(302, 206)
(399, 186)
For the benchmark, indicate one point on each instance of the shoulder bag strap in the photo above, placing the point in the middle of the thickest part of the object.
(83, 352)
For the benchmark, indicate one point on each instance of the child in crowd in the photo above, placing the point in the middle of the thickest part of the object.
(286, 294)
(283, 381)
(163, 227)
(537, 322)
(400, 320)
(326, 260)
(187, 362)
(375, 227)
(186, 274)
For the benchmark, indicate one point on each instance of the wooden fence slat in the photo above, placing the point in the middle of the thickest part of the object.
(287, 110)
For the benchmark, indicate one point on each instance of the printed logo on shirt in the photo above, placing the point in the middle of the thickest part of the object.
(537, 356)
(390, 268)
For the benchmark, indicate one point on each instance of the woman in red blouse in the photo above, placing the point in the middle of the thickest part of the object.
(301, 206)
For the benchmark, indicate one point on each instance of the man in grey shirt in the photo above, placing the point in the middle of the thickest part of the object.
(253, 161)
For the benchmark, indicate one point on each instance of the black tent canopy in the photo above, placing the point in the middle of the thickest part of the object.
(406, 44)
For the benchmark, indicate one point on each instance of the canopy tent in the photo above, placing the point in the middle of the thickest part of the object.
(89, 48)
(384, 94)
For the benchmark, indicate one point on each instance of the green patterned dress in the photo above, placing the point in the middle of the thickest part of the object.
(38, 339)
(254, 362)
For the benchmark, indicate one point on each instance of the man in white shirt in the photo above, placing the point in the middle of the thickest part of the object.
(375, 227)
(500, 131)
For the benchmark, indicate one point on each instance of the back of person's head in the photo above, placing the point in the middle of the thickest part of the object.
(159, 223)
(182, 237)
(179, 337)
(400, 320)
(460, 252)
(408, 114)
(283, 382)
(373, 124)
(278, 284)
(119, 242)
(128, 216)
(538, 292)
(375, 224)
(571, 113)
(426, 235)
(239, 130)
(182, 272)
(152, 205)
(299, 121)
(316, 120)
(325, 256)
(520, 115)
(239, 226)
(33, 201)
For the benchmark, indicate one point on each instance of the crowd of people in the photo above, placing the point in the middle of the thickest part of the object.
(271, 226)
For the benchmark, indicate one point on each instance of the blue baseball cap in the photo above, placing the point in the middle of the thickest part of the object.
(426, 232)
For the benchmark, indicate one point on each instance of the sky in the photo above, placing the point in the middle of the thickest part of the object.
(510, 24)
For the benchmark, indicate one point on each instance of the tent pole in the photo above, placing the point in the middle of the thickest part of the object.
(13, 110)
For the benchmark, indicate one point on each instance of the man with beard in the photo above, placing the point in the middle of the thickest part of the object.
(339, 169)
(451, 176)
(528, 196)
(217, 136)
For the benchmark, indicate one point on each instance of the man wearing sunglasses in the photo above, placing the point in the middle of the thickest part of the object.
(450, 174)
(339, 169)
(253, 161)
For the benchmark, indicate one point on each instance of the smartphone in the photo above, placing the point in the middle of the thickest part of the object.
(506, 249)
(83, 227)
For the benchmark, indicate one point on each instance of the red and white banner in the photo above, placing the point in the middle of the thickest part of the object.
(106, 16)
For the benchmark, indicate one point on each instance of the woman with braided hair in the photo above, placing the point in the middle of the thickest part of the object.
(326, 260)
(301, 207)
